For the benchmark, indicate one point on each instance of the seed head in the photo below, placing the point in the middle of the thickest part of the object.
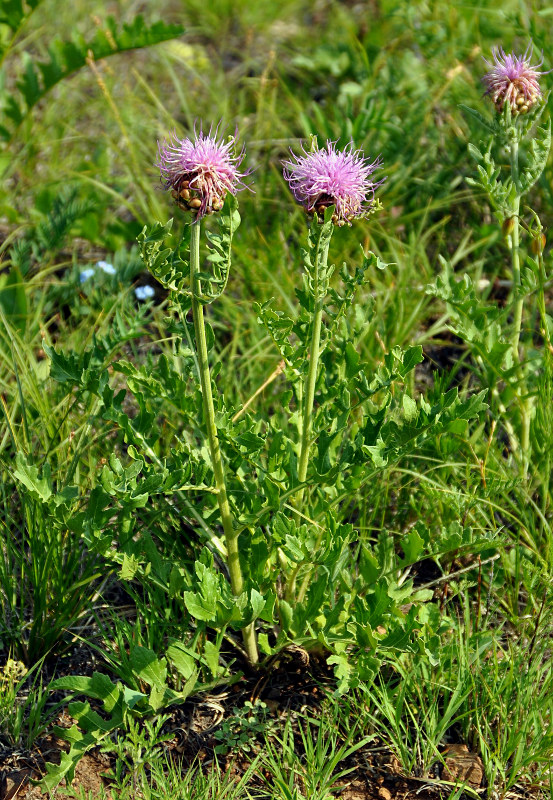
(327, 177)
(200, 171)
(514, 80)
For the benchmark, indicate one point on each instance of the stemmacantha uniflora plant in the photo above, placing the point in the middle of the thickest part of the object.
(507, 358)
(269, 499)
(284, 548)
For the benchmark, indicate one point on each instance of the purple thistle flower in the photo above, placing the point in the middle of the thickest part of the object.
(333, 177)
(200, 172)
(514, 80)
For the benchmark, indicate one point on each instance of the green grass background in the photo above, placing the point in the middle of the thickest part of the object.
(390, 76)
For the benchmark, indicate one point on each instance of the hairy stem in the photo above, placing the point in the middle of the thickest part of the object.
(231, 536)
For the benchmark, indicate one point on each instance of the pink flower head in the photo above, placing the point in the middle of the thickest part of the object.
(329, 177)
(200, 172)
(514, 80)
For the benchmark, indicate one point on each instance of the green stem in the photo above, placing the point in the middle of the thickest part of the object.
(309, 394)
(314, 353)
(518, 302)
(547, 362)
(231, 536)
(518, 305)
(541, 302)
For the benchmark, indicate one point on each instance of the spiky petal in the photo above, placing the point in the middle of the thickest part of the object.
(514, 80)
(200, 171)
(328, 176)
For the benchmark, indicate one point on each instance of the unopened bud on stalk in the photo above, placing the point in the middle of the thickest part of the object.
(508, 226)
(538, 243)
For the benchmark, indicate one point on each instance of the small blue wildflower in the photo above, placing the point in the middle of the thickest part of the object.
(144, 292)
(86, 274)
(106, 267)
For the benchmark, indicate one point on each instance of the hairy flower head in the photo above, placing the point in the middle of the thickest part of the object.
(514, 80)
(200, 171)
(328, 176)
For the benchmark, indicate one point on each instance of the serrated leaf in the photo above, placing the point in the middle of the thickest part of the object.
(129, 568)
(485, 123)
(264, 646)
(182, 659)
(28, 475)
(195, 606)
(343, 670)
(90, 721)
(412, 545)
(211, 655)
(63, 368)
(324, 443)
(286, 615)
(475, 152)
(65, 770)
(282, 526)
(352, 358)
(409, 407)
(148, 667)
(67, 57)
(214, 283)
(293, 548)
(257, 602)
(422, 596)
(540, 146)
(410, 358)
(132, 698)
(99, 686)
(157, 697)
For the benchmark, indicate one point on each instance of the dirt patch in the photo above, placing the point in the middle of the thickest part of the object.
(290, 691)
(89, 781)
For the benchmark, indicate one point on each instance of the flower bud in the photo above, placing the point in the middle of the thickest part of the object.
(508, 226)
(537, 244)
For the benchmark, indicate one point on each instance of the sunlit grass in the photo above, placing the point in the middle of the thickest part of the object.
(391, 76)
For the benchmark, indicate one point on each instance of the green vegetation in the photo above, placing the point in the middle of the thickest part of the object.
(403, 552)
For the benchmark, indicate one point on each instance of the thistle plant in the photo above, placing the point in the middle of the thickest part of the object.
(200, 173)
(329, 177)
(290, 571)
(321, 180)
(284, 544)
(334, 187)
(513, 85)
